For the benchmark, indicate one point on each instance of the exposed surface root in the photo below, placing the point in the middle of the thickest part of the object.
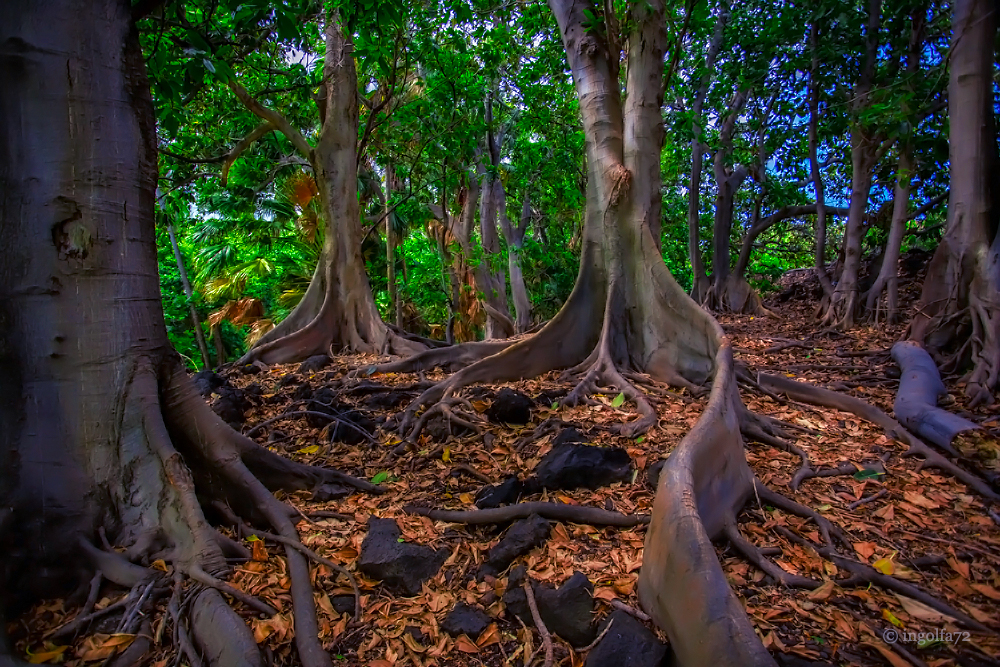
(554, 511)
(812, 394)
(920, 387)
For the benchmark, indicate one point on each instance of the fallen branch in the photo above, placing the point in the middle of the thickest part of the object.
(555, 511)
(864, 501)
(542, 630)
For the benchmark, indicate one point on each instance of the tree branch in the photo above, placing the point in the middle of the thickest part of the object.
(275, 118)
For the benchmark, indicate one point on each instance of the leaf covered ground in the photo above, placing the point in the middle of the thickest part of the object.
(919, 525)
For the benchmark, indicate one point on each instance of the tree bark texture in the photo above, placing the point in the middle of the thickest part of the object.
(100, 427)
(338, 311)
(627, 320)
(958, 318)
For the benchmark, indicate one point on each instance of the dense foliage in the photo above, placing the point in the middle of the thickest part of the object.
(438, 81)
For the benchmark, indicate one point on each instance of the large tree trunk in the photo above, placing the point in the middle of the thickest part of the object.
(199, 334)
(958, 318)
(338, 311)
(628, 319)
(100, 428)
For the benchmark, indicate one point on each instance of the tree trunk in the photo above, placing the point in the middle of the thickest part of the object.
(958, 317)
(491, 278)
(395, 305)
(100, 427)
(700, 285)
(514, 236)
(865, 152)
(627, 319)
(338, 311)
(888, 275)
(199, 335)
(729, 292)
(817, 177)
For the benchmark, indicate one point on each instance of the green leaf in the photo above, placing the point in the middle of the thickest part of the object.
(380, 477)
(555, 405)
(619, 400)
(867, 473)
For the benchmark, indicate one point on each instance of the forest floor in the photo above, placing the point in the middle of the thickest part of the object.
(922, 526)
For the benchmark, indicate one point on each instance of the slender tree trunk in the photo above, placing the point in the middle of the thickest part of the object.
(491, 278)
(817, 176)
(865, 151)
(888, 276)
(700, 285)
(395, 305)
(958, 317)
(198, 333)
(514, 236)
(220, 346)
(729, 292)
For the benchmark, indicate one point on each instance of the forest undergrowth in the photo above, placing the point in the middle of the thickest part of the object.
(921, 526)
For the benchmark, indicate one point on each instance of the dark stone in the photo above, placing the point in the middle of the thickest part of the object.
(550, 396)
(465, 619)
(387, 400)
(325, 401)
(572, 466)
(250, 369)
(785, 660)
(569, 435)
(398, 565)
(519, 539)
(276, 434)
(349, 429)
(439, 429)
(343, 604)
(417, 634)
(208, 381)
(566, 612)
(628, 643)
(291, 378)
(253, 389)
(504, 493)
(231, 405)
(302, 392)
(510, 407)
(313, 364)
(330, 491)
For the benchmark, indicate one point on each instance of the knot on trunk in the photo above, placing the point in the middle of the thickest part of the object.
(621, 179)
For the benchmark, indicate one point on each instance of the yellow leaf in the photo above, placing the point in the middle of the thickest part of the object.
(884, 565)
(480, 406)
(159, 564)
(888, 615)
(311, 449)
(465, 498)
(446, 455)
(53, 654)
